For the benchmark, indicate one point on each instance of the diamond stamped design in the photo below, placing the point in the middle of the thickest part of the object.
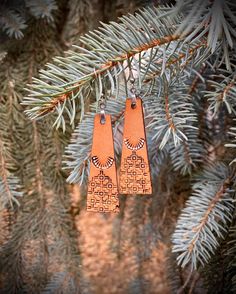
(135, 175)
(102, 193)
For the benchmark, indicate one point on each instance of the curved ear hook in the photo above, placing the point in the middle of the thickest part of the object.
(132, 89)
(102, 106)
(133, 92)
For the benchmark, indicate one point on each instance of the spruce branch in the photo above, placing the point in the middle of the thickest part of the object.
(37, 240)
(42, 8)
(99, 64)
(177, 59)
(173, 70)
(14, 267)
(232, 144)
(64, 239)
(198, 230)
(10, 191)
(216, 19)
(171, 112)
(10, 185)
(223, 280)
(189, 154)
(15, 15)
(12, 22)
(196, 79)
(223, 92)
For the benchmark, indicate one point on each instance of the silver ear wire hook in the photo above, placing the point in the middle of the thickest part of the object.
(133, 92)
(132, 89)
(102, 106)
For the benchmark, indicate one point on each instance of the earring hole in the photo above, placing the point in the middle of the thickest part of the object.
(133, 105)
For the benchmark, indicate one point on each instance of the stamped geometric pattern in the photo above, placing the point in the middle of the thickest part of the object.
(105, 196)
(134, 176)
(102, 193)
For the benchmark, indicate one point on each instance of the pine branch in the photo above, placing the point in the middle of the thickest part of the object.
(177, 60)
(29, 256)
(10, 191)
(197, 232)
(222, 280)
(15, 15)
(99, 64)
(10, 184)
(196, 79)
(12, 23)
(171, 113)
(42, 8)
(14, 268)
(189, 154)
(222, 93)
(232, 144)
(216, 19)
(168, 70)
(48, 189)
(64, 237)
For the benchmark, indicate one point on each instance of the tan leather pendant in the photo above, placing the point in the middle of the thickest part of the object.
(135, 175)
(102, 188)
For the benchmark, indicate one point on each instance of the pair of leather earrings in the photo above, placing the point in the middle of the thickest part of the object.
(134, 173)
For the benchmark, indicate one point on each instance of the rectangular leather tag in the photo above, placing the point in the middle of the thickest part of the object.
(102, 193)
(135, 175)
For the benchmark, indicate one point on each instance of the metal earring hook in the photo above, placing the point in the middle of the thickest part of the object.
(132, 89)
(133, 93)
(102, 106)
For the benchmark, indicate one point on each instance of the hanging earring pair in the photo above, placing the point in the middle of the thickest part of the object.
(134, 170)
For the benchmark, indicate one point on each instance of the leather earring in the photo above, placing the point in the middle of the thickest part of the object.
(102, 193)
(135, 175)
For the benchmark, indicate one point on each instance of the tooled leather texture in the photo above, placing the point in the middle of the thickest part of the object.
(135, 175)
(102, 193)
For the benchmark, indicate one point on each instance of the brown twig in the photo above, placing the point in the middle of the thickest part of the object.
(196, 80)
(175, 60)
(227, 88)
(204, 219)
(168, 114)
(59, 99)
